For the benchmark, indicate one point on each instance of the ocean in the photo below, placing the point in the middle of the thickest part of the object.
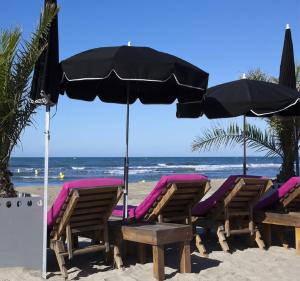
(29, 171)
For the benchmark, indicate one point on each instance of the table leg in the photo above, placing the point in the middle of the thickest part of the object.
(142, 253)
(297, 240)
(185, 257)
(158, 262)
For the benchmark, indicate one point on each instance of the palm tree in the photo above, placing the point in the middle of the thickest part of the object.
(277, 140)
(17, 60)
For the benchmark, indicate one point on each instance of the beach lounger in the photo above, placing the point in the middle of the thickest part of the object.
(82, 208)
(281, 208)
(171, 200)
(230, 209)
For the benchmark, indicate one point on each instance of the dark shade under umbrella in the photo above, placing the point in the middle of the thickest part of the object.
(124, 74)
(287, 77)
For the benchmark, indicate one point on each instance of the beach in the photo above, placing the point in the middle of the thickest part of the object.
(277, 263)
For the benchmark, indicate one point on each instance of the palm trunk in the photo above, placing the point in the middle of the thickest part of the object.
(6, 186)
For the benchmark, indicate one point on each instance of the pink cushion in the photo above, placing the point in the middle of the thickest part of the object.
(140, 211)
(270, 201)
(204, 206)
(53, 212)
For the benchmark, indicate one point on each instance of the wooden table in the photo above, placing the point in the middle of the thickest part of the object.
(157, 235)
(273, 218)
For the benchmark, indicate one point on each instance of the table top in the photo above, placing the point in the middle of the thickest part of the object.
(151, 233)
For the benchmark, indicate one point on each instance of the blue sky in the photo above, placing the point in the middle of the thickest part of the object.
(224, 38)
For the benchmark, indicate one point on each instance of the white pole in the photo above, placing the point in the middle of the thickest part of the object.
(47, 138)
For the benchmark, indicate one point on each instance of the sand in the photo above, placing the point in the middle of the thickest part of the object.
(244, 264)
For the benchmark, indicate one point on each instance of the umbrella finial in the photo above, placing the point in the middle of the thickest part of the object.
(129, 43)
(287, 26)
(244, 76)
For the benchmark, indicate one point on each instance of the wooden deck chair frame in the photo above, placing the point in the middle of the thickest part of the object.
(85, 213)
(285, 214)
(233, 215)
(175, 205)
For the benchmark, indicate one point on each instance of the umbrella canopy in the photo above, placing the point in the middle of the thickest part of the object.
(46, 76)
(242, 97)
(287, 77)
(155, 77)
(124, 74)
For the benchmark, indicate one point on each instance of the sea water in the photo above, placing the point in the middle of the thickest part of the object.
(30, 170)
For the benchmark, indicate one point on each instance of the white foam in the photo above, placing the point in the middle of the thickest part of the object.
(78, 168)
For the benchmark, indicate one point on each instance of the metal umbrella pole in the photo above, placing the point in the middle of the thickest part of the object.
(297, 148)
(245, 148)
(126, 160)
(47, 138)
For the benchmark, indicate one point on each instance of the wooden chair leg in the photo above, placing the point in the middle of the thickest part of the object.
(69, 241)
(117, 255)
(222, 239)
(297, 240)
(200, 246)
(267, 234)
(106, 243)
(259, 240)
(58, 247)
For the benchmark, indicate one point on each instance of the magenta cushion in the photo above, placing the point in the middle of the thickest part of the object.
(270, 201)
(204, 206)
(140, 211)
(53, 212)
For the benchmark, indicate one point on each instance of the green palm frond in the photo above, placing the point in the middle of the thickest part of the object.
(17, 61)
(218, 138)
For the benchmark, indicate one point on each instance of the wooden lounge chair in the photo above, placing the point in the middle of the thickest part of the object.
(281, 208)
(230, 209)
(171, 201)
(82, 208)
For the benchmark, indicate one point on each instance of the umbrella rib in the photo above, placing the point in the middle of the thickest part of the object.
(131, 79)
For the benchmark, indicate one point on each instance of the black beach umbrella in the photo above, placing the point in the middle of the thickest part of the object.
(44, 91)
(242, 97)
(124, 74)
(287, 77)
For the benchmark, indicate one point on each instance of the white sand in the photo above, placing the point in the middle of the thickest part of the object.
(243, 264)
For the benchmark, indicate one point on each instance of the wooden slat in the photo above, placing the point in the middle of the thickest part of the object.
(86, 228)
(85, 223)
(99, 203)
(85, 217)
(97, 197)
(86, 250)
(67, 214)
(96, 190)
(89, 210)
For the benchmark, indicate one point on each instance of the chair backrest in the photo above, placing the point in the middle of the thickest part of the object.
(86, 209)
(176, 201)
(241, 198)
(284, 198)
(291, 200)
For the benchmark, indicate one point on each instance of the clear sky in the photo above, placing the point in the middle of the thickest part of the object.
(224, 38)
